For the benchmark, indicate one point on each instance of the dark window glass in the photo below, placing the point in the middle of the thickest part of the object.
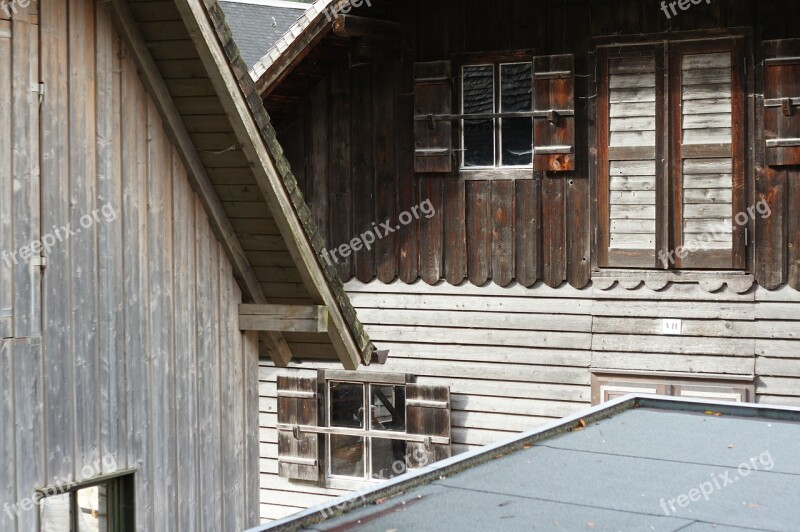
(516, 96)
(347, 455)
(388, 408)
(347, 405)
(388, 458)
(478, 97)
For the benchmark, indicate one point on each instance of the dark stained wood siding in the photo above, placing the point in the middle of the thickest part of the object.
(549, 233)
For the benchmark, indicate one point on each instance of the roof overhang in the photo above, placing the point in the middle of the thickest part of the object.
(210, 109)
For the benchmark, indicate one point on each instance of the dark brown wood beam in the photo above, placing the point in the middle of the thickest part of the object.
(353, 26)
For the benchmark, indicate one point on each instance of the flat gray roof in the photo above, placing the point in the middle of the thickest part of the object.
(638, 464)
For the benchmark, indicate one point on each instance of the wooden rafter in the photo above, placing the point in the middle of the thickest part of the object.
(284, 318)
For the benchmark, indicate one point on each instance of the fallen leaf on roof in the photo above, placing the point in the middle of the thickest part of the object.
(712, 413)
(527, 445)
(380, 501)
(590, 524)
(731, 446)
(504, 503)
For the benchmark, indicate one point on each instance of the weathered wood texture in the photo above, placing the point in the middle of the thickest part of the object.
(139, 363)
(553, 229)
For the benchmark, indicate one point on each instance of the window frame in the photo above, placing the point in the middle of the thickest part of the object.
(709, 387)
(667, 52)
(120, 485)
(495, 59)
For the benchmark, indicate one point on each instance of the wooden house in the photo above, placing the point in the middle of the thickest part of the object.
(581, 199)
(138, 284)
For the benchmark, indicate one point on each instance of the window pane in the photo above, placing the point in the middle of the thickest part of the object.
(478, 97)
(388, 408)
(347, 455)
(347, 405)
(516, 96)
(388, 458)
(92, 509)
(55, 514)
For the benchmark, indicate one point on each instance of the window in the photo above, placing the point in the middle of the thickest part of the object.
(608, 387)
(104, 505)
(344, 427)
(671, 155)
(489, 140)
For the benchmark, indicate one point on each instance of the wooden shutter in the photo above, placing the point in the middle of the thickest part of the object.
(782, 102)
(554, 108)
(427, 414)
(631, 113)
(607, 388)
(708, 149)
(298, 404)
(433, 139)
(714, 392)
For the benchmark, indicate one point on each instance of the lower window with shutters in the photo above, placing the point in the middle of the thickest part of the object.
(343, 429)
(606, 387)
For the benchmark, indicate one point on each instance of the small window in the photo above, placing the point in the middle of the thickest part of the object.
(342, 427)
(497, 128)
(98, 506)
(608, 387)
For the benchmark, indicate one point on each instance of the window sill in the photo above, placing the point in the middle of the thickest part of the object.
(489, 174)
(710, 281)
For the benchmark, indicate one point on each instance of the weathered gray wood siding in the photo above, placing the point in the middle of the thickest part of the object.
(131, 352)
(517, 357)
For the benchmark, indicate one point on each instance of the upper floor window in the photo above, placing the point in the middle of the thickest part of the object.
(671, 187)
(491, 135)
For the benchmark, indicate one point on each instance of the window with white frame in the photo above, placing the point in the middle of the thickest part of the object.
(341, 427)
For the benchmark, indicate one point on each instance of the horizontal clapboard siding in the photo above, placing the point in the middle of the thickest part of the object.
(777, 346)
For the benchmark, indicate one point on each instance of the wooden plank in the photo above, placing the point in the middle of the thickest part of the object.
(186, 278)
(554, 232)
(232, 469)
(503, 242)
(678, 345)
(407, 245)
(385, 161)
(528, 230)
(341, 187)
(283, 318)
(362, 161)
(109, 241)
(455, 231)
(431, 231)
(8, 474)
(27, 427)
(770, 267)
(318, 156)
(6, 185)
(793, 229)
(250, 425)
(479, 245)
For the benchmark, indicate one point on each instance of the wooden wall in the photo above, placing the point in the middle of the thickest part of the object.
(517, 357)
(132, 348)
(501, 230)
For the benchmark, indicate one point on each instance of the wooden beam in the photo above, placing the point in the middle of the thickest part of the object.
(284, 318)
(353, 26)
(198, 177)
(268, 178)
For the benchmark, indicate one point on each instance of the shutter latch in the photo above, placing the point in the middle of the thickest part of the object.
(431, 124)
(786, 106)
(296, 432)
(38, 88)
(428, 443)
(38, 261)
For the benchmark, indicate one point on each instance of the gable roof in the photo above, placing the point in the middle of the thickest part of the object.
(633, 463)
(190, 64)
(258, 24)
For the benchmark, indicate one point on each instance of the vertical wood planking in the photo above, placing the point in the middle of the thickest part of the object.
(6, 185)
(318, 154)
(362, 160)
(407, 240)
(430, 231)
(340, 207)
(528, 231)
(455, 232)
(227, 426)
(27, 400)
(83, 252)
(134, 167)
(479, 239)
(25, 169)
(251, 461)
(554, 231)
(185, 349)
(385, 77)
(502, 205)
(793, 224)
(770, 231)
(109, 244)
(8, 484)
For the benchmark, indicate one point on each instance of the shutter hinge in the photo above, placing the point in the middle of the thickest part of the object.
(38, 88)
(746, 236)
(39, 261)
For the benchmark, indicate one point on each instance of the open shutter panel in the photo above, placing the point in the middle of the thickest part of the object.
(427, 414)
(433, 139)
(554, 105)
(782, 101)
(298, 404)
